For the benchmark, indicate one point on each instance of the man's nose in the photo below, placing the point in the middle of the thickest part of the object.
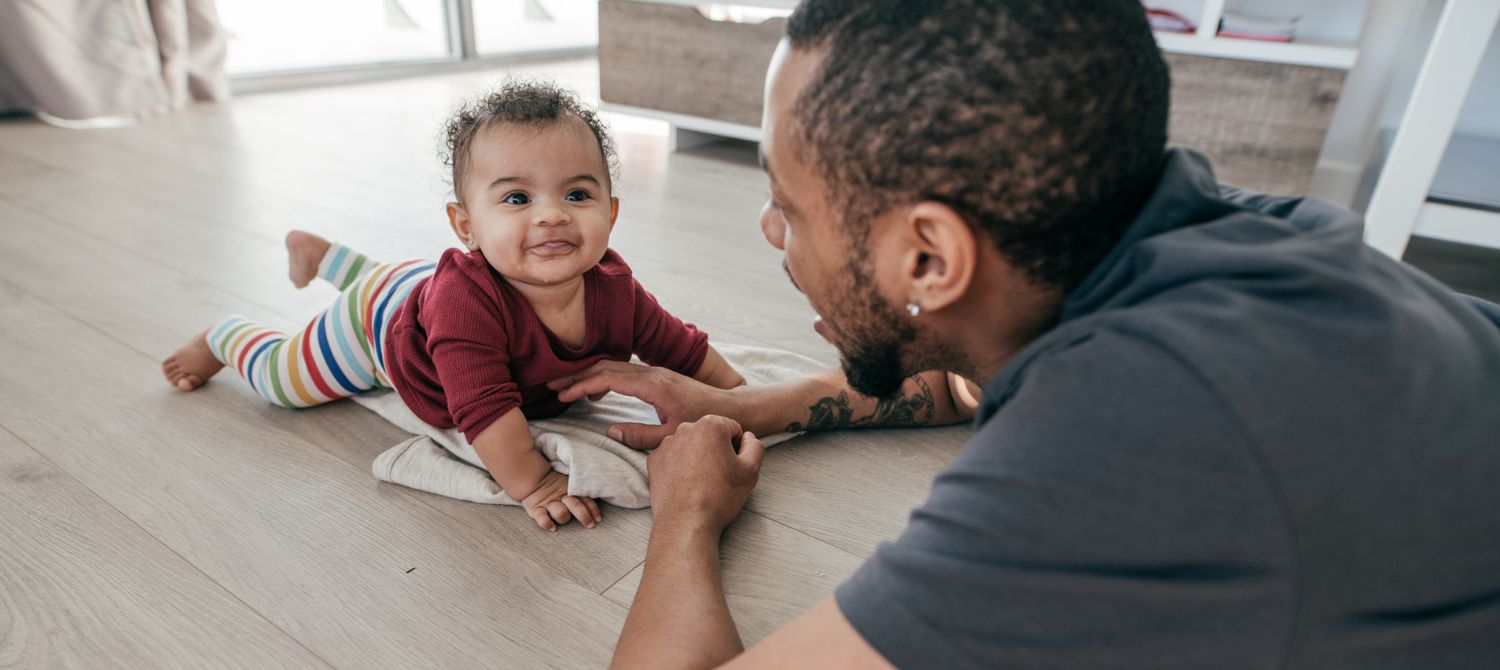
(772, 226)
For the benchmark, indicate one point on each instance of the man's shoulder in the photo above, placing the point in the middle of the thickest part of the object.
(1109, 495)
(1108, 387)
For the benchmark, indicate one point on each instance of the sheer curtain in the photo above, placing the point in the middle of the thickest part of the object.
(109, 62)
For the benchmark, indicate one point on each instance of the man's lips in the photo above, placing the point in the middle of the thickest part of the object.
(553, 248)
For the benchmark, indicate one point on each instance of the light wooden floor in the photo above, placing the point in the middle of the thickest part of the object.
(141, 527)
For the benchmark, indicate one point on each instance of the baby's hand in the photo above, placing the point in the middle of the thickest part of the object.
(551, 506)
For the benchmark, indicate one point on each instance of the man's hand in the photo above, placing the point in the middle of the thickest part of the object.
(697, 478)
(676, 398)
(551, 506)
(818, 401)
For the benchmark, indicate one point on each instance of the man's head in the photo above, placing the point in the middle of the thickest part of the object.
(950, 148)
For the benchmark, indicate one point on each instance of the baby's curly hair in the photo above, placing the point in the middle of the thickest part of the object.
(527, 102)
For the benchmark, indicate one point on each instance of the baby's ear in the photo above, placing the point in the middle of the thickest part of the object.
(458, 218)
(614, 211)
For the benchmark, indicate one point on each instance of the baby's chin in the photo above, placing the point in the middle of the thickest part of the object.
(560, 273)
(550, 269)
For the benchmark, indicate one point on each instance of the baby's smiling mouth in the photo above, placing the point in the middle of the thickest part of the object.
(552, 248)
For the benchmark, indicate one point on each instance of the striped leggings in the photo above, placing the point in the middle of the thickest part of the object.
(341, 352)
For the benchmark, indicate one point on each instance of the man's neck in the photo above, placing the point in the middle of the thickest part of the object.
(1002, 313)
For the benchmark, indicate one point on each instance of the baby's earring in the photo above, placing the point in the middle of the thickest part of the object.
(913, 309)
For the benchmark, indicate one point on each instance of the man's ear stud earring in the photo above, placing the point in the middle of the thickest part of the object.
(913, 308)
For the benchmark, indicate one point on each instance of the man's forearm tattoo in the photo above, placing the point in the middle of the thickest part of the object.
(834, 412)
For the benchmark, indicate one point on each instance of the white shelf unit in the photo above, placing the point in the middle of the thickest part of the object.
(1206, 42)
(1399, 206)
(1291, 53)
(688, 131)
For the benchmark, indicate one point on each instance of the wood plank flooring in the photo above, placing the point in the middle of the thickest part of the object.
(142, 527)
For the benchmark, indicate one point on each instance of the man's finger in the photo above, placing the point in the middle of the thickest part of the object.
(723, 425)
(640, 436)
(590, 371)
(752, 450)
(619, 381)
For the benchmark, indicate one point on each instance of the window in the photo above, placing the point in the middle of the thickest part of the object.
(279, 35)
(511, 26)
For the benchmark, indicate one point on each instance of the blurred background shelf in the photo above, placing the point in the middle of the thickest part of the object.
(1340, 57)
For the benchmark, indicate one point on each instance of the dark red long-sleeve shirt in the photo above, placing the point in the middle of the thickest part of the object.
(466, 347)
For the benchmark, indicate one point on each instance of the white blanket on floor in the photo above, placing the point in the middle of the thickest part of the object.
(443, 462)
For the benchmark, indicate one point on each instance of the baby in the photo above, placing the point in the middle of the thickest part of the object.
(472, 340)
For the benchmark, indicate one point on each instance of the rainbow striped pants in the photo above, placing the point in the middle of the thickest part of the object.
(341, 352)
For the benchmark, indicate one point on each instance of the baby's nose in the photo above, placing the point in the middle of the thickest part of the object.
(551, 216)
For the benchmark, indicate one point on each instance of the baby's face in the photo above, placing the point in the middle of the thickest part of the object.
(537, 201)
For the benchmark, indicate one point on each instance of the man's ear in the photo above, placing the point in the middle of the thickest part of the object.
(939, 264)
(614, 212)
(458, 218)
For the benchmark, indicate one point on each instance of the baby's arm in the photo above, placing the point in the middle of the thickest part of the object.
(506, 449)
(715, 371)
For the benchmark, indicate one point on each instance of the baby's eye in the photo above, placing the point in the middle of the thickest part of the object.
(516, 199)
(577, 195)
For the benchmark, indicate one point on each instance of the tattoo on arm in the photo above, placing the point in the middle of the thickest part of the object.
(834, 412)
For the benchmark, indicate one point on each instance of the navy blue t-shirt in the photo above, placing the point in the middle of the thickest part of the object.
(1251, 442)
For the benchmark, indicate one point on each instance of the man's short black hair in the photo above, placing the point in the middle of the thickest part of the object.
(1042, 123)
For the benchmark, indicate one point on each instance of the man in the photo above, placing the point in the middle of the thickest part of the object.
(1217, 430)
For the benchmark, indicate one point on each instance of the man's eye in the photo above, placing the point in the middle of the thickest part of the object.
(516, 199)
(578, 196)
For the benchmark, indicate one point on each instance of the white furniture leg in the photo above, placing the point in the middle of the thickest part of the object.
(1459, 42)
(680, 138)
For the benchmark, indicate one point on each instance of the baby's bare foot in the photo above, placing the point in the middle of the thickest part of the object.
(192, 364)
(304, 251)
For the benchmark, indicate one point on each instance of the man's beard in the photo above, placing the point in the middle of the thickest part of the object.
(874, 360)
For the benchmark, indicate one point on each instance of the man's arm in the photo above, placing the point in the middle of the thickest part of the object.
(699, 483)
(679, 619)
(820, 401)
(820, 638)
(928, 399)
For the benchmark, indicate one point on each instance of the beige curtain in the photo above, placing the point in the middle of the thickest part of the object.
(104, 62)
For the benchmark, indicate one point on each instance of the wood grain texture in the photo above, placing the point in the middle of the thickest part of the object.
(83, 587)
(854, 489)
(318, 548)
(1262, 124)
(117, 245)
(595, 558)
(672, 58)
(771, 574)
